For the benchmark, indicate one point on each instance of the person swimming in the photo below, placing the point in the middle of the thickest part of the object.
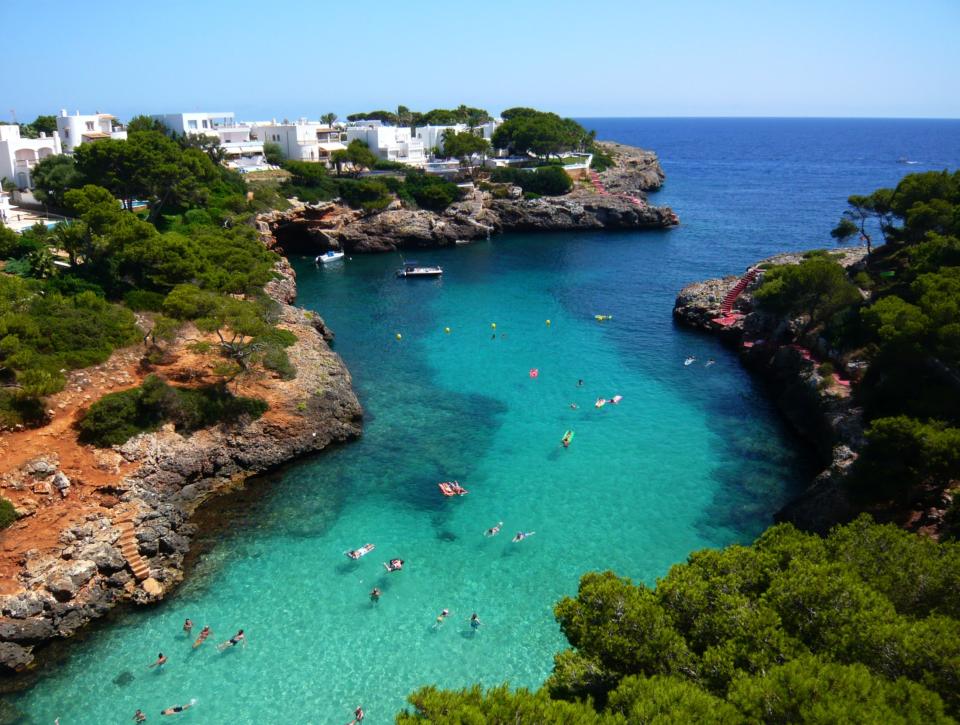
(375, 595)
(358, 715)
(494, 530)
(204, 633)
(188, 626)
(441, 618)
(233, 641)
(580, 383)
(690, 360)
(139, 716)
(161, 661)
(710, 362)
(475, 621)
(177, 709)
(521, 535)
(394, 565)
(573, 406)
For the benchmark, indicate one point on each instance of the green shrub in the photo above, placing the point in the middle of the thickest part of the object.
(275, 358)
(544, 181)
(117, 417)
(7, 513)
(365, 194)
(143, 301)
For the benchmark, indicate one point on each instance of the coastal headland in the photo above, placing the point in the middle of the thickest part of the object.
(814, 398)
(614, 199)
(103, 526)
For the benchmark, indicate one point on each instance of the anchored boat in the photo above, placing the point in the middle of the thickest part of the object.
(414, 269)
(328, 257)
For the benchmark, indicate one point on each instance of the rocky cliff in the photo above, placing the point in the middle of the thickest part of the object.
(329, 225)
(101, 527)
(817, 403)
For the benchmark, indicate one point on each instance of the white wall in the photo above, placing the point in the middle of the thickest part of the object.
(205, 123)
(72, 128)
(18, 155)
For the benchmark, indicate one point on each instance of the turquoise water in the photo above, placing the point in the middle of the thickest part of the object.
(692, 457)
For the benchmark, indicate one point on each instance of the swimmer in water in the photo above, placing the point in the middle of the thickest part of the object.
(138, 716)
(441, 617)
(573, 406)
(521, 535)
(494, 530)
(188, 626)
(580, 383)
(236, 639)
(177, 709)
(375, 595)
(204, 633)
(710, 362)
(161, 661)
(475, 621)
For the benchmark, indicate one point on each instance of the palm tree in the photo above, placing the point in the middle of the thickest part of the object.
(328, 118)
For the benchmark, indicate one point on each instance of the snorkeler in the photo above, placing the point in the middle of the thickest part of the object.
(494, 530)
(521, 535)
(233, 641)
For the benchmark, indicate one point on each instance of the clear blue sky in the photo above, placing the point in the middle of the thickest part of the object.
(280, 58)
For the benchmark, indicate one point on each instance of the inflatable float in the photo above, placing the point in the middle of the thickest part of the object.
(567, 437)
(452, 488)
(361, 552)
(602, 318)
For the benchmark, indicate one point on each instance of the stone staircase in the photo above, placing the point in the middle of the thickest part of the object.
(130, 548)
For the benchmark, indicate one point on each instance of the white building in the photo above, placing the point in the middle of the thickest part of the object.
(18, 155)
(301, 141)
(391, 143)
(241, 150)
(75, 130)
(432, 136)
(184, 123)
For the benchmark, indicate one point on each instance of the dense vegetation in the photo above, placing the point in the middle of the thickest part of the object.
(117, 417)
(863, 626)
(907, 329)
(543, 181)
(190, 256)
(526, 130)
(403, 116)
(311, 182)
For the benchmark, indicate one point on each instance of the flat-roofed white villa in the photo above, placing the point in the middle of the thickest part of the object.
(19, 155)
(78, 129)
(301, 141)
(391, 143)
(242, 150)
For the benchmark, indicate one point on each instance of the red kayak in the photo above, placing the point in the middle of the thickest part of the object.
(452, 488)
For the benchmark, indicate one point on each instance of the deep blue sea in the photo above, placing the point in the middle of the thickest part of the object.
(693, 456)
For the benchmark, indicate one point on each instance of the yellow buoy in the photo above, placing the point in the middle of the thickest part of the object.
(548, 323)
(446, 330)
(493, 325)
(399, 336)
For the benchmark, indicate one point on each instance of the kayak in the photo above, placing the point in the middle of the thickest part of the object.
(452, 488)
(567, 437)
(361, 552)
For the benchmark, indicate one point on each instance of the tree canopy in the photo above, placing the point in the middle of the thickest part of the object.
(863, 624)
(540, 133)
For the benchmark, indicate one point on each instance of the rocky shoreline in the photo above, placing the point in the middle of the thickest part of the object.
(315, 228)
(124, 537)
(815, 402)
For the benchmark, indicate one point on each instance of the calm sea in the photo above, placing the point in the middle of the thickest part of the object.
(692, 457)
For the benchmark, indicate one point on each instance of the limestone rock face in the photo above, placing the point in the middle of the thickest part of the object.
(634, 171)
(96, 568)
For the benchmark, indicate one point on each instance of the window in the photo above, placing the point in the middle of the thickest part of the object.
(191, 124)
(89, 125)
(205, 123)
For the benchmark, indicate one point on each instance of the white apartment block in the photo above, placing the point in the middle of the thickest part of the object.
(76, 129)
(301, 141)
(18, 155)
(391, 143)
(184, 123)
(432, 136)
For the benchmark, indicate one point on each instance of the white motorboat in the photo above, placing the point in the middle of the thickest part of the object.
(327, 257)
(413, 269)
